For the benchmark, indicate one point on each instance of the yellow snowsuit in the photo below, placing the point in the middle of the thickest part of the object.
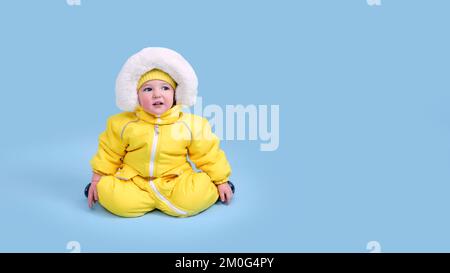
(143, 160)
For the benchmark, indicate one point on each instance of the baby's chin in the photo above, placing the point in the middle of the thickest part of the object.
(156, 110)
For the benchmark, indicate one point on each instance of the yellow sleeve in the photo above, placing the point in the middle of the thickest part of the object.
(111, 150)
(206, 154)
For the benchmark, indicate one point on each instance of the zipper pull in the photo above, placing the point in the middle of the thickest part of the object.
(157, 129)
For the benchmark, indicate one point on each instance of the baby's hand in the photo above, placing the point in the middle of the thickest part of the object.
(225, 192)
(92, 194)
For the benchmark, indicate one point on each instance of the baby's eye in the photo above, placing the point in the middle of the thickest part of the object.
(165, 88)
(147, 89)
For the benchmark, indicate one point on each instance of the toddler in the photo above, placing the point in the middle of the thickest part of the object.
(142, 159)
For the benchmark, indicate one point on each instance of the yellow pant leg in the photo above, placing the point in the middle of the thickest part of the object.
(124, 198)
(194, 193)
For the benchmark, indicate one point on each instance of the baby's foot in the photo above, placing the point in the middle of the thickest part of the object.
(231, 186)
(86, 190)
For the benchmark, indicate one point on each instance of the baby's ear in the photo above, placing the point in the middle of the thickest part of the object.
(139, 100)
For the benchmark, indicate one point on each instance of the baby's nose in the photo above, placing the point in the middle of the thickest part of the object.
(156, 93)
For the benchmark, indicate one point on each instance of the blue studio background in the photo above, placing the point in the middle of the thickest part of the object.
(363, 91)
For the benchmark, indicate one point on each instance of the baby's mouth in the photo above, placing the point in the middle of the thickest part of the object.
(158, 103)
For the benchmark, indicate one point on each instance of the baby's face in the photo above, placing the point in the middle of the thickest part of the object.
(156, 96)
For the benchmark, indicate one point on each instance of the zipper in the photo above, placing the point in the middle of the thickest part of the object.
(152, 170)
(153, 151)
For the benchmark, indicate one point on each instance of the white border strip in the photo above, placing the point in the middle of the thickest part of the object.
(177, 210)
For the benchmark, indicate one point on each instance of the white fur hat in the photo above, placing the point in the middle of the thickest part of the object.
(150, 58)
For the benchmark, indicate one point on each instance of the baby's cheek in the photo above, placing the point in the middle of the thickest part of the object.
(170, 99)
(144, 100)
